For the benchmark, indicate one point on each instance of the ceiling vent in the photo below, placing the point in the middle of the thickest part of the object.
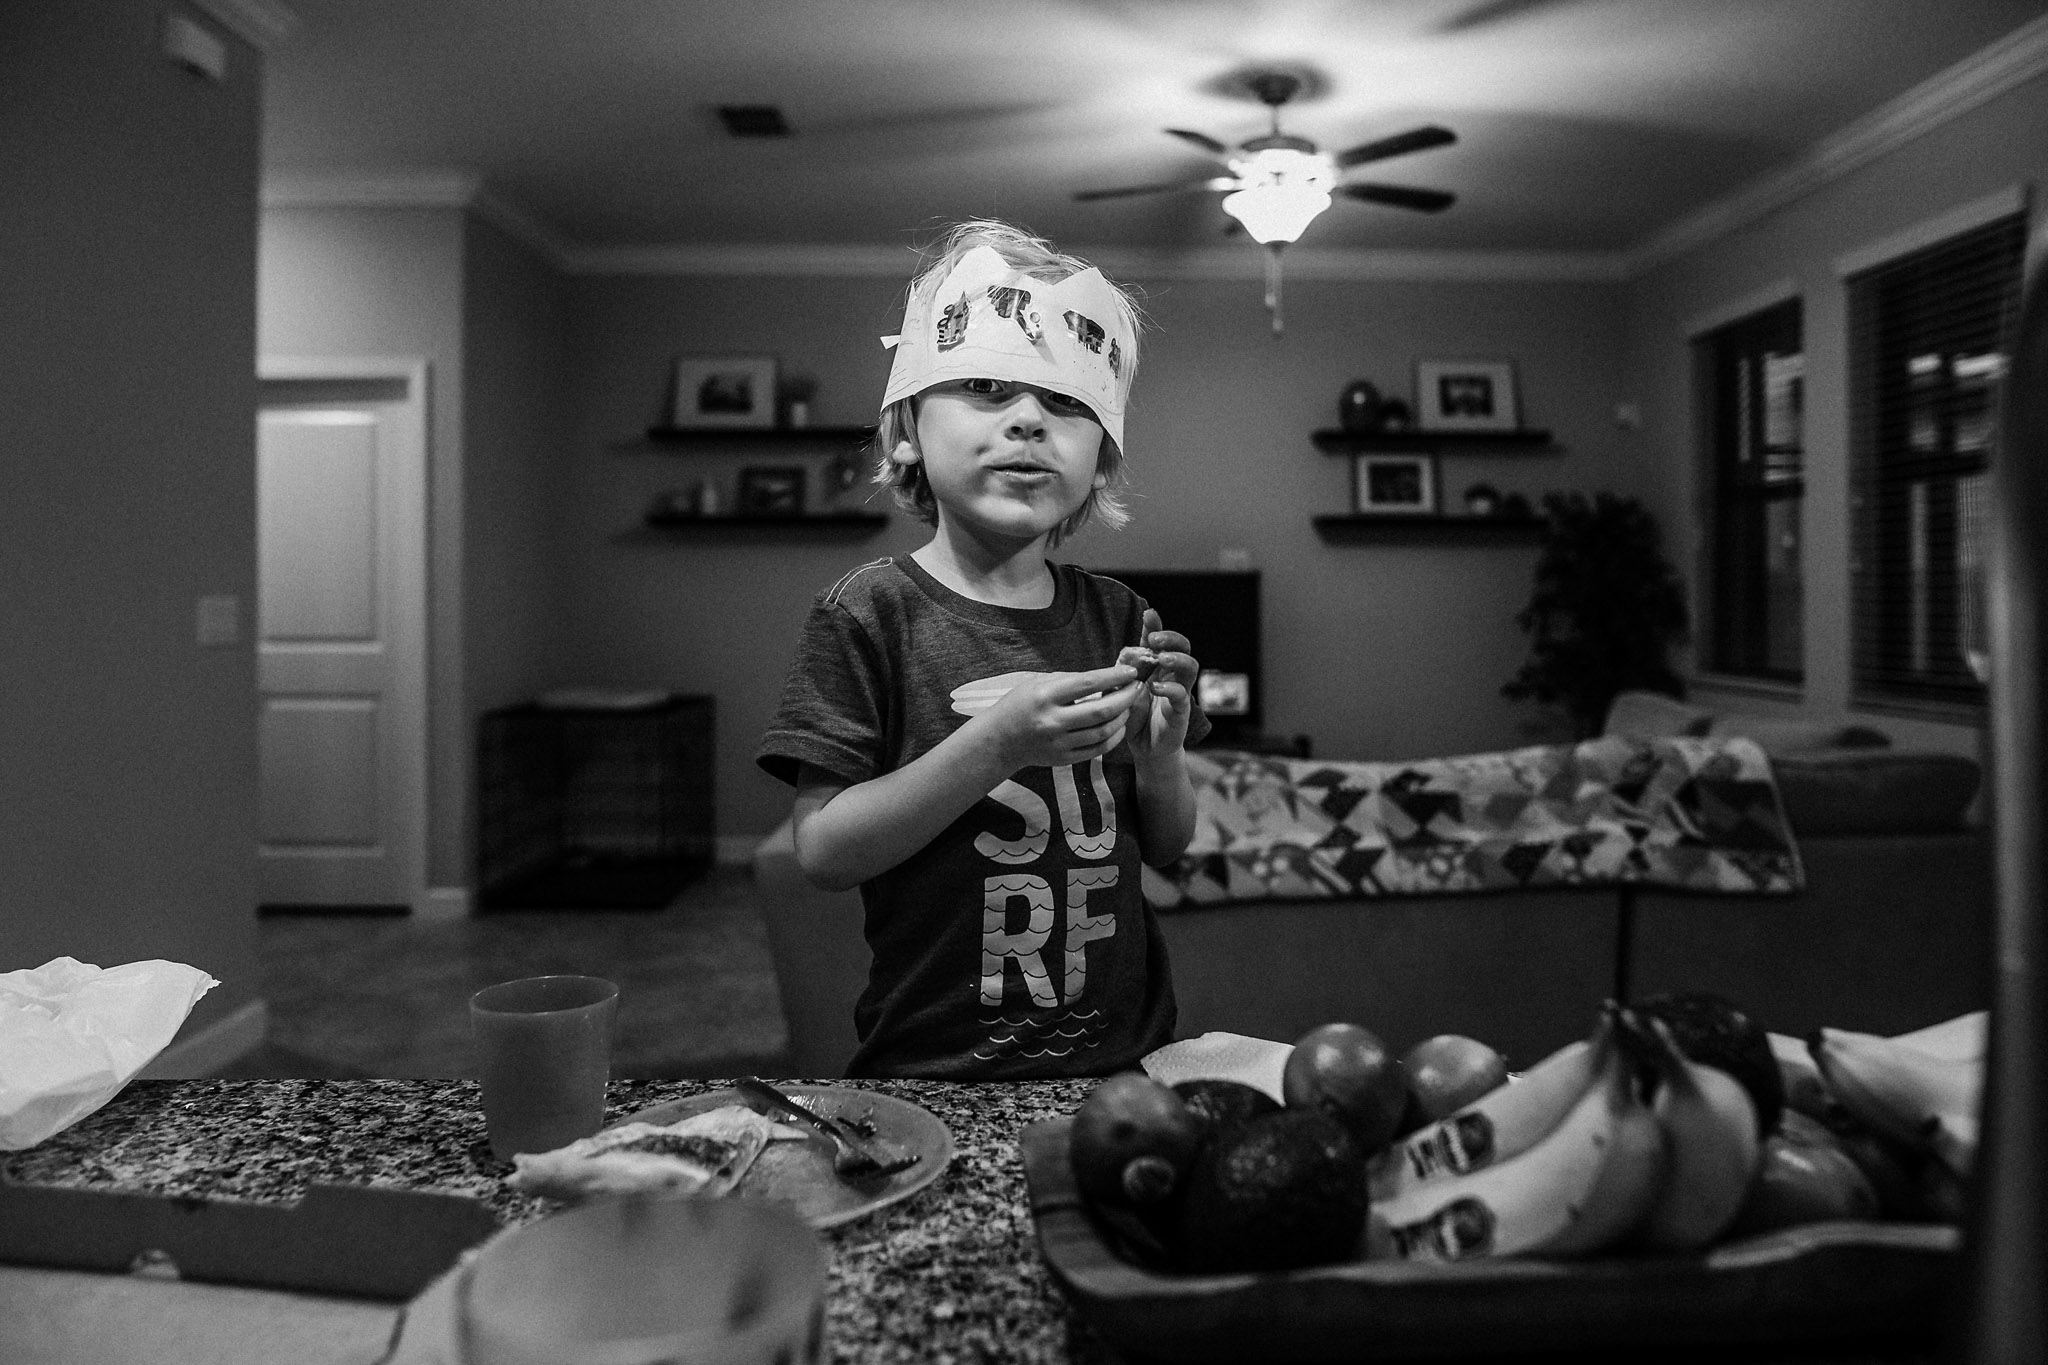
(753, 120)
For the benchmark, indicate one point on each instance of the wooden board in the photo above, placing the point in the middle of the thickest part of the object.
(1826, 1282)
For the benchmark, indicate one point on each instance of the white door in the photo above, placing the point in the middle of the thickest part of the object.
(341, 649)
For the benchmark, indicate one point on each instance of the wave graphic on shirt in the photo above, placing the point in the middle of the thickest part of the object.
(1053, 1035)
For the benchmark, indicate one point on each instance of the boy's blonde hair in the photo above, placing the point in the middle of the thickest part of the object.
(1041, 259)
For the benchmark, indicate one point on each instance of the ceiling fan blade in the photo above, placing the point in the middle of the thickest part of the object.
(1220, 182)
(1401, 196)
(1400, 144)
(1202, 140)
(1488, 12)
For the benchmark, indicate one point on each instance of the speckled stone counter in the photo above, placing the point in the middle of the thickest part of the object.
(952, 1274)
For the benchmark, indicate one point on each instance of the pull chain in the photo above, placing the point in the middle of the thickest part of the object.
(1273, 283)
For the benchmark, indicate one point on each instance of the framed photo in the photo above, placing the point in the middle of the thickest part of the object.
(1395, 484)
(1466, 395)
(771, 490)
(724, 391)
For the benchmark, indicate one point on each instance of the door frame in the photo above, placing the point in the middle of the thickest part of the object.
(411, 617)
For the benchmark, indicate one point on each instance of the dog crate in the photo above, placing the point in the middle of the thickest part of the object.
(593, 804)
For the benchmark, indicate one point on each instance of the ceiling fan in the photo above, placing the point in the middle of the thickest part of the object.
(1279, 182)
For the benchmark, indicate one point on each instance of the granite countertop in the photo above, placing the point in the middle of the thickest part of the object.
(952, 1274)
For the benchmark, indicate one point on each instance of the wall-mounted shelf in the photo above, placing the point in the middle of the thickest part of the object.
(1405, 529)
(759, 436)
(1332, 441)
(864, 523)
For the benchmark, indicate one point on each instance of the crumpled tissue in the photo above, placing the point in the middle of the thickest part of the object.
(1258, 1062)
(72, 1035)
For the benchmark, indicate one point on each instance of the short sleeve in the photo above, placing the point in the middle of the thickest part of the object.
(833, 704)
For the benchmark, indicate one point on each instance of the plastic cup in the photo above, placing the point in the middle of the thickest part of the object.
(543, 1052)
(635, 1281)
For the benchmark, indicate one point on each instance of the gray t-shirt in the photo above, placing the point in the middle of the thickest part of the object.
(1017, 943)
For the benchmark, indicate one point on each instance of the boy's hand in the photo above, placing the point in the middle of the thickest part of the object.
(1159, 714)
(1058, 718)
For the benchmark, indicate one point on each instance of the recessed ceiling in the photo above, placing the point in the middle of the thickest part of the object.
(1583, 125)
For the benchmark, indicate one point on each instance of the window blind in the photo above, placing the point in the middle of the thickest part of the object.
(1927, 348)
(1756, 370)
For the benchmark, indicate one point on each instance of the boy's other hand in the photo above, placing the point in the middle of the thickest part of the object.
(1160, 711)
(1057, 718)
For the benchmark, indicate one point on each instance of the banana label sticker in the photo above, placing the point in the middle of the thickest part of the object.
(1462, 1143)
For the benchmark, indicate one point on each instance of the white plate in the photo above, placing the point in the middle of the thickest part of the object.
(799, 1175)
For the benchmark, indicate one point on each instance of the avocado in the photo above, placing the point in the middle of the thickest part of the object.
(1275, 1192)
(1222, 1104)
(1713, 1031)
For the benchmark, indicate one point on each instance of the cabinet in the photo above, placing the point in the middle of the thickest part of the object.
(593, 806)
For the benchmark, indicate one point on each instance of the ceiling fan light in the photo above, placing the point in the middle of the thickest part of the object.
(1276, 213)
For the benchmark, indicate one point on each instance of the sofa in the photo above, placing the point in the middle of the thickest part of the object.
(1881, 922)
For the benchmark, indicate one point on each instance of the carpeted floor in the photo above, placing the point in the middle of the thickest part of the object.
(388, 995)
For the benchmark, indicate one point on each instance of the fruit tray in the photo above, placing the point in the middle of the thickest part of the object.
(1825, 1282)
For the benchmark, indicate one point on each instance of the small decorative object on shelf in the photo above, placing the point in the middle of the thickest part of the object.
(1358, 407)
(1395, 415)
(1482, 500)
(1398, 484)
(1466, 395)
(723, 391)
(771, 489)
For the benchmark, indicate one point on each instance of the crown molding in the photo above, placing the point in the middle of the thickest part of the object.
(2018, 57)
(1207, 263)
(262, 24)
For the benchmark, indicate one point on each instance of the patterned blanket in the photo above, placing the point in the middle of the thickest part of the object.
(1696, 814)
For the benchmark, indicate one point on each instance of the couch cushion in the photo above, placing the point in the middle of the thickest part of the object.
(1652, 715)
(1778, 736)
(1874, 791)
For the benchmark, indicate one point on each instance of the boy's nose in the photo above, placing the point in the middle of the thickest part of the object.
(1026, 418)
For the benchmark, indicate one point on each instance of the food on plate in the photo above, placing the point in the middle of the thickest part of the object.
(1803, 1176)
(1222, 1104)
(1345, 1071)
(1138, 657)
(1713, 1030)
(1500, 1125)
(1710, 1134)
(1275, 1192)
(1133, 1140)
(1584, 1187)
(1450, 1071)
(704, 1154)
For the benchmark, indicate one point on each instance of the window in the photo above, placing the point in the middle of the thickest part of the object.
(1926, 349)
(1755, 370)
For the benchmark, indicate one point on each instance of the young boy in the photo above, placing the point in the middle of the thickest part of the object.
(986, 743)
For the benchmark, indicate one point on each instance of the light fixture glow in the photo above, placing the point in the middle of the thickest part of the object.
(1281, 190)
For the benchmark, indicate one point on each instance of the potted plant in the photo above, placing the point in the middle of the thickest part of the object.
(1607, 609)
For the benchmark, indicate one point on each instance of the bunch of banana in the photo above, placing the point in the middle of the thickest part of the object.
(1499, 1126)
(1905, 1091)
(1466, 1188)
(1709, 1124)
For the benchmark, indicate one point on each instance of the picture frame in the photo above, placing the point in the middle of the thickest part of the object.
(714, 391)
(1466, 395)
(1395, 484)
(771, 490)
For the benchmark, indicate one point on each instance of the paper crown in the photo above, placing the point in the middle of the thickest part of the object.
(989, 320)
